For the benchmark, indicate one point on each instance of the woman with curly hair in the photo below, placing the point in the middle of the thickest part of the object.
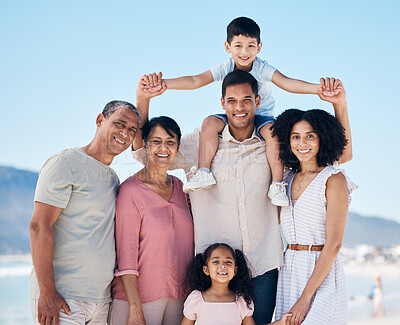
(311, 285)
(221, 291)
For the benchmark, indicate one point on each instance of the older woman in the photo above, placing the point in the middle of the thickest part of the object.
(154, 235)
(311, 284)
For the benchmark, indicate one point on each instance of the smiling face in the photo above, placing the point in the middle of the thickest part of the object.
(118, 130)
(304, 142)
(240, 104)
(161, 147)
(221, 265)
(244, 50)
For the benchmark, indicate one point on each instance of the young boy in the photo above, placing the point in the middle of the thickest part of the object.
(243, 42)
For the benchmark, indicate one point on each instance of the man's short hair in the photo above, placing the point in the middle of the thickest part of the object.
(238, 77)
(243, 26)
(115, 105)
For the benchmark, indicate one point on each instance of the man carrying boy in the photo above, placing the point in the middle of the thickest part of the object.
(72, 227)
(236, 211)
(243, 43)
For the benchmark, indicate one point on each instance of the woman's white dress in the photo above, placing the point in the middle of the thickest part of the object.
(304, 223)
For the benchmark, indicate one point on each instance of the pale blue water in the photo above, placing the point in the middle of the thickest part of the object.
(15, 304)
(14, 293)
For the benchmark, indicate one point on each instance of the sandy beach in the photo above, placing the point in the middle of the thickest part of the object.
(387, 320)
(360, 311)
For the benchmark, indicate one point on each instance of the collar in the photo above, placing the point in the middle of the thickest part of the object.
(227, 136)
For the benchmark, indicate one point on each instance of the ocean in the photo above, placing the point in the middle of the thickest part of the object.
(15, 304)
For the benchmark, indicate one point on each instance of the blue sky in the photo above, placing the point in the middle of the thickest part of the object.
(62, 61)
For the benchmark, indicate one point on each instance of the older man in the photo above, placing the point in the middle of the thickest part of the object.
(72, 227)
(236, 210)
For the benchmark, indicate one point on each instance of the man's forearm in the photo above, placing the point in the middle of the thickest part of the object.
(42, 243)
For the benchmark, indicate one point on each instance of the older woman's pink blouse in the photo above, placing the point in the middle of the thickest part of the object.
(154, 240)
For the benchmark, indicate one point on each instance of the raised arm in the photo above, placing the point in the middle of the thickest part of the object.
(42, 243)
(339, 103)
(142, 104)
(180, 83)
(336, 214)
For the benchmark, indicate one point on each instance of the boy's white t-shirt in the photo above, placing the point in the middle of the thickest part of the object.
(262, 72)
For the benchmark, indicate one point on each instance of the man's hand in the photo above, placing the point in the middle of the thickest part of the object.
(49, 307)
(332, 91)
(150, 86)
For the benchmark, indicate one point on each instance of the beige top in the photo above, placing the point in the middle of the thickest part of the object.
(84, 247)
(236, 210)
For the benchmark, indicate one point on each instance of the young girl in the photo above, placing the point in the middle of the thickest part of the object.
(220, 285)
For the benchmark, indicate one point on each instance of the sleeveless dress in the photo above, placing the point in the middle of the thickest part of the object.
(304, 224)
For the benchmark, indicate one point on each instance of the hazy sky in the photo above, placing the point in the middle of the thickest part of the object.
(62, 61)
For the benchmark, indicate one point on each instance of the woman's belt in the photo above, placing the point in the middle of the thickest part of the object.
(297, 247)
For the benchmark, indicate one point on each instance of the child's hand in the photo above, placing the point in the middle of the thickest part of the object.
(282, 321)
(151, 82)
(147, 92)
(330, 86)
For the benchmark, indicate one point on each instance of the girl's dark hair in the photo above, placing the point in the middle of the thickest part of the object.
(331, 135)
(241, 285)
(167, 123)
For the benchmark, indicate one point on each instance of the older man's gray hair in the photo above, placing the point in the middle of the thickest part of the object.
(114, 105)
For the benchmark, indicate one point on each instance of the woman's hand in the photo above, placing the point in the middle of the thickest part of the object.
(299, 311)
(332, 91)
(136, 317)
(143, 91)
(284, 320)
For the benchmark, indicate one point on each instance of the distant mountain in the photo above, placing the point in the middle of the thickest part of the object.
(17, 189)
(371, 230)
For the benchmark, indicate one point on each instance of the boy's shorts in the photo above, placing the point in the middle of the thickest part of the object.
(259, 121)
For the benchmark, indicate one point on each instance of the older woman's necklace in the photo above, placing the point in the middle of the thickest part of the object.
(161, 186)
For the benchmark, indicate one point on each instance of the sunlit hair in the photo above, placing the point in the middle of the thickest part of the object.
(331, 135)
(243, 26)
(238, 77)
(115, 105)
(167, 123)
(196, 279)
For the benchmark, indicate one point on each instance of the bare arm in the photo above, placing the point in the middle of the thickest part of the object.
(180, 83)
(142, 104)
(248, 320)
(294, 85)
(186, 321)
(190, 82)
(129, 283)
(339, 103)
(336, 214)
(42, 243)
